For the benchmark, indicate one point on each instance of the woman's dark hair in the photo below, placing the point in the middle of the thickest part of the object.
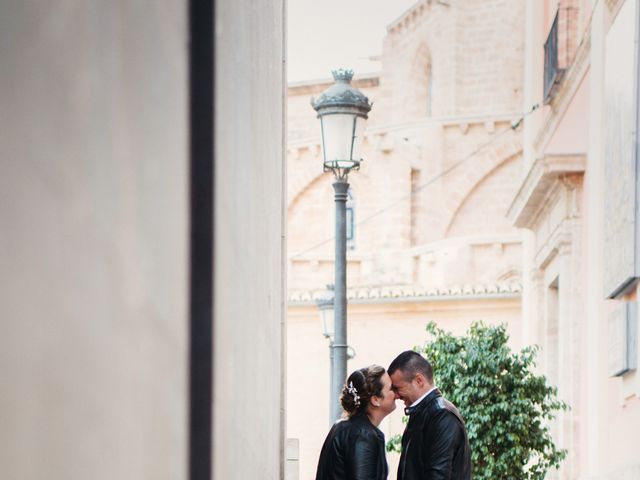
(361, 386)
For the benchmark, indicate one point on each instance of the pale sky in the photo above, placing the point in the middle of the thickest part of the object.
(328, 34)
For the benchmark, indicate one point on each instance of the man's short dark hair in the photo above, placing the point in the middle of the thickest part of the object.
(410, 363)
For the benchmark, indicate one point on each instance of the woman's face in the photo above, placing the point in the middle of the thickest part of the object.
(388, 398)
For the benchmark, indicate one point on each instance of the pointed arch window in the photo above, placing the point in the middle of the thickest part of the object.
(429, 88)
(419, 96)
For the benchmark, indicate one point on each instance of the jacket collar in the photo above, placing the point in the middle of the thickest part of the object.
(435, 393)
(362, 419)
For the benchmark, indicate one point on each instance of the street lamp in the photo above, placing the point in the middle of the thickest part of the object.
(324, 301)
(342, 110)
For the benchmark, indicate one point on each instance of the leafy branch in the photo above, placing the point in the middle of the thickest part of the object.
(508, 408)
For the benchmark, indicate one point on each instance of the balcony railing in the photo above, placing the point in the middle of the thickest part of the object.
(552, 73)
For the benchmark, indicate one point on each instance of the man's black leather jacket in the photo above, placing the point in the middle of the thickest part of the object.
(353, 450)
(435, 444)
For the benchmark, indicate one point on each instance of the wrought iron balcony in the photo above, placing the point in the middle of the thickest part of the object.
(552, 73)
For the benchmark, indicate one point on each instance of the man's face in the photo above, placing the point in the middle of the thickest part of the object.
(407, 391)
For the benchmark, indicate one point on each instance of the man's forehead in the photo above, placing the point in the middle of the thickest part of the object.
(397, 378)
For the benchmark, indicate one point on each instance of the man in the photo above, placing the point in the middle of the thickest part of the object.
(434, 444)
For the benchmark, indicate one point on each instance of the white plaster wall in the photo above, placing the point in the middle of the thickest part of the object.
(616, 407)
(248, 403)
(594, 212)
(93, 244)
(600, 429)
(93, 240)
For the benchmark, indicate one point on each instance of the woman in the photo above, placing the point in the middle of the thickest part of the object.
(354, 448)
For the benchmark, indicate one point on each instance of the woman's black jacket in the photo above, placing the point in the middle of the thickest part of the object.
(353, 450)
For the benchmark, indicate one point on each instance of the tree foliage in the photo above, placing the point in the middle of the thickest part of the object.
(506, 406)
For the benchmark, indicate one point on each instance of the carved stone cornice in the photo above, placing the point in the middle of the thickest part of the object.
(409, 17)
(559, 243)
(542, 175)
(408, 293)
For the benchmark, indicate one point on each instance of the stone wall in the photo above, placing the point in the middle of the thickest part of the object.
(432, 241)
(467, 55)
(563, 200)
(94, 249)
(429, 174)
(249, 296)
(94, 244)
(403, 202)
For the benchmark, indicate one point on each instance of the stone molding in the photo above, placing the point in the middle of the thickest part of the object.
(409, 293)
(487, 162)
(413, 15)
(559, 242)
(310, 87)
(385, 140)
(425, 248)
(533, 191)
(461, 121)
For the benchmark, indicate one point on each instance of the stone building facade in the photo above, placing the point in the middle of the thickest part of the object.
(577, 204)
(430, 237)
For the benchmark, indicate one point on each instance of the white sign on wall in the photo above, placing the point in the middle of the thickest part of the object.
(623, 322)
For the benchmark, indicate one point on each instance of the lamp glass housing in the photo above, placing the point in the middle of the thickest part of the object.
(342, 139)
(327, 319)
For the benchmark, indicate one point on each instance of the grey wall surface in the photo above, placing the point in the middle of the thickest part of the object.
(249, 246)
(93, 240)
(94, 222)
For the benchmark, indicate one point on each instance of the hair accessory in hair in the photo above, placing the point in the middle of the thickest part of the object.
(354, 393)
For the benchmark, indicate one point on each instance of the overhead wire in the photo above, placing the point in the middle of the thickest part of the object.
(514, 126)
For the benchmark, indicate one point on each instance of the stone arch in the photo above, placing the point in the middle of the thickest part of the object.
(304, 179)
(305, 183)
(304, 165)
(491, 174)
(309, 218)
(509, 274)
(507, 146)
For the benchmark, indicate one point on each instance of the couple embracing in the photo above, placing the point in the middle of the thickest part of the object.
(434, 443)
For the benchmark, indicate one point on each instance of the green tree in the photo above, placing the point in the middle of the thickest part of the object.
(506, 406)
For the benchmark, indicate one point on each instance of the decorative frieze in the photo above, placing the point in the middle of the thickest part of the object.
(412, 293)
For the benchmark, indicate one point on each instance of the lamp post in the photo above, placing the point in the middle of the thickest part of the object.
(342, 110)
(324, 301)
